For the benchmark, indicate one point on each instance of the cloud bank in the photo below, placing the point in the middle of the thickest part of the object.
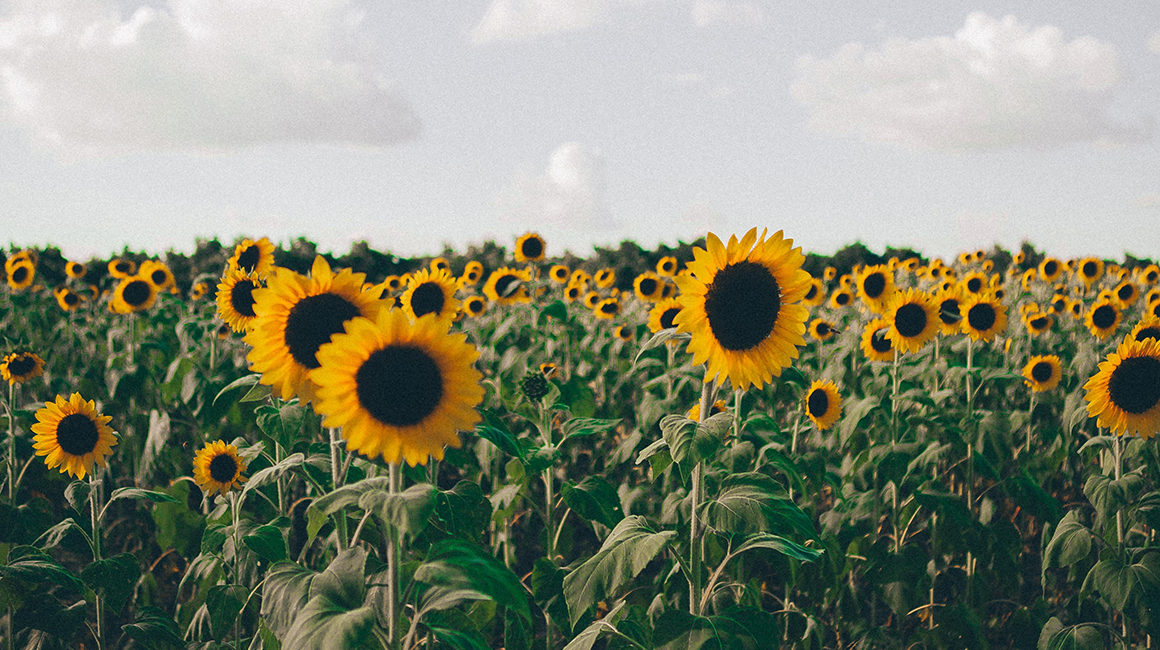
(196, 74)
(570, 195)
(994, 84)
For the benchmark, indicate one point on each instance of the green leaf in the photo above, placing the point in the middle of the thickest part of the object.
(463, 511)
(177, 526)
(408, 510)
(548, 589)
(284, 594)
(249, 381)
(557, 309)
(459, 639)
(336, 616)
(282, 423)
(267, 542)
(594, 499)
(587, 638)
(1071, 542)
(77, 495)
(31, 564)
(1119, 584)
(271, 474)
(659, 339)
(224, 603)
(1111, 495)
(624, 554)
(43, 611)
(137, 494)
(1073, 637)
(113, 579)
(153, 629)
(494, 430)
(457, 565)
(753, 502)
(780, 544)
(677, 431)
(579, 427)
(55, 535)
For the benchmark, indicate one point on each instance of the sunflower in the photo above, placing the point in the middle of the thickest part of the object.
(740, 305)
(1126, 294)
(399, 389)
(75, 270)
(663, 315)
(472, 273)
(1038, 322)
(949, 314)
(430, 293)
(876, 345)
(714, 408)
(667, 266)
(218, 467)
(648, 286)
(974, 282)
(548, 370)
(157, 273)
(822, 330)
(235, 298)
(70, 433)
(1090, 269)
(530, 247)
(841, 298)
(199, 290)
(506, 286)
(1059, 304)
(559, 274)
(223, 332)
(1027, 279)
(27, 255)
(253, 256)
(591, 299)
(1148, 328)
(133, 294)
(1150, 275)
(296, 315)
(439, 264)
(875, 287)
(579, 276)
(607, 309)
(393, 283)
(604, 278)
(573, 293)
(816, 294)
(983, 317)
(1125, 394)
(121, 269)
(474, 306)
(823, 404)
(19, 367)
(1103, 318)
(21, 274)
(1050, 269)
(624, 333)
(913, 318)
(68, 299)
(1042, 373)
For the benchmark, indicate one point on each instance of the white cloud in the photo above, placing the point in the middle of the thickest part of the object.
(1154, 42)
(995, 83)
(196, 73)
(510, 20)
(570, 195)
(706, 13)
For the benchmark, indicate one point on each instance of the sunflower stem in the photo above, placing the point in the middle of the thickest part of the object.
(1030, 426)
(935, 362)
(212, 353)
(336, 475)
(237, 562)
(94, 513)
(970, 458)
(549, 501)
(11, 448)
(696, 549)
(393, 563)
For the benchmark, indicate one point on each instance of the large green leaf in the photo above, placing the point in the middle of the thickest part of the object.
(457, 565)
(113, 579)
(1055, 636)
(267, 542)
(626, 552)
(594, 499)
(463, 511)
(31, 564)
(408, 511)
(1109, 495)
(587, 638)
(752, 502)
(284, 594)
(1071, 542)
(580, 427)
(153, 629)
(271, 474)
(1120, 583)
(691, 440)
(336, 616)
(224, 603)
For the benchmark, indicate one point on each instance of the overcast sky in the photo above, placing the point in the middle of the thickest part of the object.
(413, 123)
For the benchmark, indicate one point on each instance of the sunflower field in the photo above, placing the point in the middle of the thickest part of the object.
(726, 444)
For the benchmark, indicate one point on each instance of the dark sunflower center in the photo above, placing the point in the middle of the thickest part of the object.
(981, 317)
(879, 341)
(312, 322)
(1059, 305)
(1135, 384)
(1049, 268)
(158, 277)
(223, 468)
(812, 292)
(1151, 277)
(609, 308)
(475, 305)
(71, 299)
(1104, 316)
(668, 316)
(248, 259)
(818, 403)
(136, 293)
(910, 320)
(874, 285)
(399, 385)
(77, 434)
(560, 274)
(573, 292)
(843, 299)
(22, 365)
(503, 283)
(974, 284)
(1090, 269)
(1125, 292)
(648, 286)
(742, 305)
(242, 298)
(533, 248)
(20, 274)
(1039, 323)
(1148, 333)
(823, 329)
(124, 267)
(668, 266)
(1041, 371)
(948, 311)
(427, 298)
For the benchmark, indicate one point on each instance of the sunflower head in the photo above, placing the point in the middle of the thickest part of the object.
(974, 282)
(983, 317)
(1150, 274)
(876, 343)
(1103, 318)
(68, 299)
(75, 270)
(506, 286)
(667, 266)
(1042, 373)
(741, 307)
(648, 286)
(21, 275)
(199, 290)
(253, 256)
(559, 274)
(472, 273)
(72, 435)
(1050, 269)
(19, 367)
(913, 318)
(591, 299)
(573, 292)
(399, 389)
(235, 298)
(816, 294)
(548, 370)
(1125, 393)
(823, 404)
(1090, 269)
(431, 293)
(121, 268)
(875, 287)
(580, 277)
(604, 278)
(1038, 322)
(474, 306)
(663, 315)
(1126, 293)
(607, 309)
(157, 274)
(841, 298)
(218, 467)
(822, 330)
(694, 413)
(133, 294)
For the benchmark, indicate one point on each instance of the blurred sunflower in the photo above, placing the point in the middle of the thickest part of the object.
(1150, 274)
(1090, 269)
(548, 369)
(949, 311)
(667, 266)
(530, 247)
(75, 270)
(439, 264)
(694, 413)
(607, 309)
(1149, 328)
(591, 299)
(19, 367)
(913, 318)
(1126, 294)
(559, 274)
(983, 317)
(253, 256)
(431, 293)
(217, 467)
(1038, 322)
(71, 434)
(624, 333)
(1124, 395)
(974, 282)
(1050, 269)
(579, 276)
(121, 269)
(199, 290)
(841, 298)
(133, 294)
(573, 293)
(506, 286)
(295, 316)
(663, 315)
(823, 404)
(474, 306)
(68, 299)
(472, 273)
(741, 307)
(816, 294)
(393, 283)
(1058, 304)
(604, 278)
(21, 275)
(1103, 318)
(235, 298)
(876, 343)
(157, 274)
(822, 330)
(875, 287)
(1042, 373)
(647, 286)
(1027, 279)
(401, 390)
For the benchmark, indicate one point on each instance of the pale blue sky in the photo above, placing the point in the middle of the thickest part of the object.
(414, 123)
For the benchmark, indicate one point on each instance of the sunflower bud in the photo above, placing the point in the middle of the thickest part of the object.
(534, 386)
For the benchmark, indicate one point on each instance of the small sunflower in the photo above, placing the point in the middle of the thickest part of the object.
(841, 298)
(430, 293)
(876, 345)
(579, 276)
(1028, 278)
(648, 287)
(1042, 373)
(1150, 275)
(199, 290)
(530, 247)
(133, 294)
(714, 408)
(472, 273)
(439, 264)
(235, 298)
(741, 307)
(1090, 269)
(297, 315)
(913, 318)
(1149, 328)
(1103, 318)
(667, 266)
(68, 299)
(1050, 269)
(1058, 304)
(1127, 293)
(253, 256)
(121, 269)
(663, 315)
(399, 389)
(393, 283)
(591, 299)
(624, 333)
(157, 273)
(604, 278)
(548, 370)
(573, 293)
(474, 306)
(949, 314)
(19, 367)
(816, 294)
(75, 270)
(983, 317)
(506, 286)
(559, 274)
(1038, 322)
(875, 287)
(218, 467)
(668, 290)
(21, 275)
(1125, 394)
(71, 434)
(974, 282)
(823, 404)
(607, 309)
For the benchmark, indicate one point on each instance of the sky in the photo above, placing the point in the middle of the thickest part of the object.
(414, 124)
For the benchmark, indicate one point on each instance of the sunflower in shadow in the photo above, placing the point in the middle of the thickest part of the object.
(121, 268)
(253, 256)
(875, 342)
(19, 367)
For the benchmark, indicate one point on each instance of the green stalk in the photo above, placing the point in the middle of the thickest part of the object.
(893, 444)
(95, 514)
(234, 516)
(549, 502)
(1030, 427)
(12, 446)
(696, 548)
(970, 459)
(393, 563)
(1118, 457)
(336, 476)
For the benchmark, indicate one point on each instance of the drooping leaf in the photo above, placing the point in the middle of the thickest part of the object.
(269, 475)
(284, 594)
(752, 502)
(1071, 542)
(267, 542)
(224, 603)
(408, 510)
(457, 565)
(594, 499)
(153, 629)
(31, 564)
(113, 579)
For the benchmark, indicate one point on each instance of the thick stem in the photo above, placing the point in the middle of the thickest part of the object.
(336, 476)
(237, 568)
(935, 362)
(549, 503)
(279, 453)
(970, 458)
(696, 549)
(11, 449)
(1030, 427)
(212, 353)
(393, 563)
(94, 512)
(1118, 458)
